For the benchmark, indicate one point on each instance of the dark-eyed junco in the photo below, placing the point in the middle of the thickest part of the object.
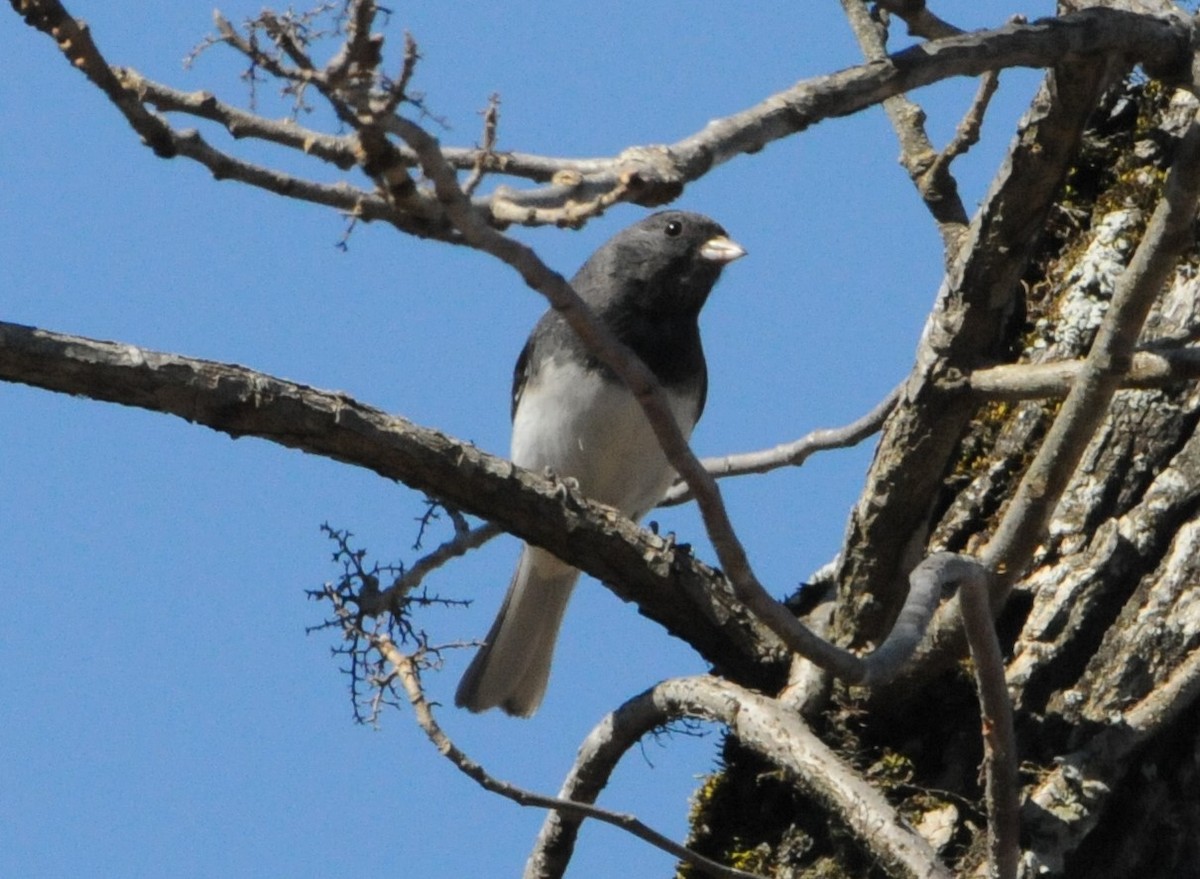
(571, 414)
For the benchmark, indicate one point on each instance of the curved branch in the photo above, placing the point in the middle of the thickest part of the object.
(406, 670)
(689, 598)
(925, 585)
(765, 726)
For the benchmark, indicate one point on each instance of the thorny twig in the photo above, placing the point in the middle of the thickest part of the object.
(362, 611)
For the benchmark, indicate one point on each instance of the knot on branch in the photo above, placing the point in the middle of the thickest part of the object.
(650, 175)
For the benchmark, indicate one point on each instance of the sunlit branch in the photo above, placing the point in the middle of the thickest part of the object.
(765, 726)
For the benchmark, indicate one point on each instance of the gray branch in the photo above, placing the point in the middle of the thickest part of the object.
(762, 724)
(690, 599)
(580, 188)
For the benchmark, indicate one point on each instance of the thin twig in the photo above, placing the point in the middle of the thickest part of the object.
(936, 185)
(408, 675)
(795, 453)
(966, 135)
(486, 155)
(455, 547)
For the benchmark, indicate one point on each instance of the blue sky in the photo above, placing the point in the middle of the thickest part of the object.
(164, 712)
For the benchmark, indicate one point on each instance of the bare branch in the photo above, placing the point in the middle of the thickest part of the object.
(936, 185)
(638, 565)
(408, 675)
(74, 40)
(649, 175)
(486, 157)
(925, 585)
(765, 726)
(966, 135)
(1027, 381)
(795, 453)
(1003, 787)
(338, 150)
(691, 599)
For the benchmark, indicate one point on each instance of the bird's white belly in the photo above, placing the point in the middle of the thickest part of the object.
(580, 426)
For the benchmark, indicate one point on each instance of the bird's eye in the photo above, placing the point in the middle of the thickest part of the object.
(674, 228)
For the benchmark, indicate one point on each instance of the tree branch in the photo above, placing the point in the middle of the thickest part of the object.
(935, 184)
(792, 454)
(1003, 787)
(1027, 381)
(761, 724)
(691, 600)
(669, 586)
(409, 677)
(966, 330)
(648, 175)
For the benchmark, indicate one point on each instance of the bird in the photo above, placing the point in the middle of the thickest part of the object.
(574, 417)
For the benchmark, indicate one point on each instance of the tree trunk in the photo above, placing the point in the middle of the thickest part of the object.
(1100, 631)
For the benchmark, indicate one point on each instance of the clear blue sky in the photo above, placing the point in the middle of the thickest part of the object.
(163, 712)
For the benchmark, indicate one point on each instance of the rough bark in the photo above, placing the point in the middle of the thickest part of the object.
(1100, 635)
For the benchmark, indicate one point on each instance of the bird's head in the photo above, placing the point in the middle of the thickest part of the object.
(668, 261)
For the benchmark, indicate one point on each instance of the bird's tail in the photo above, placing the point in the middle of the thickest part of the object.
(512, 667)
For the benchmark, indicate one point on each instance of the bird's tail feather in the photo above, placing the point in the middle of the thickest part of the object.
(512, 667)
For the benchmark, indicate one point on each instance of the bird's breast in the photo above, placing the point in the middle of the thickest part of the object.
(582, 425)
